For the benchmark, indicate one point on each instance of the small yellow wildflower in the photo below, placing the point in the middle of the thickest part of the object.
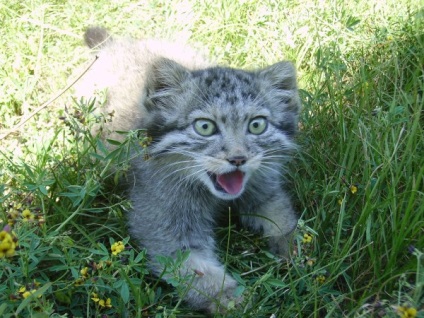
(95, 297)
(117, 247)
(84, 272)
(146, 141)
(307, 238)
(36, 284)
(353, 189)
(320, 279)
(26, 294)
(41, 220)
(99, 265)
(28, 290)
(79, 282)
(340, 201)
(27, 215)
(7, 243)
(105, 303)
(406, 312)
(310, 261)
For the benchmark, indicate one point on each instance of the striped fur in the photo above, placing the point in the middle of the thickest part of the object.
(178, 96)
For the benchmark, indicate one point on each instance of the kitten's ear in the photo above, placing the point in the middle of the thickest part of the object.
(281, 75)
(165, 75)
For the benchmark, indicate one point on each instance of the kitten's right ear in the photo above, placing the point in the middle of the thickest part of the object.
(96, 37)
(166, 76)
(281, 75)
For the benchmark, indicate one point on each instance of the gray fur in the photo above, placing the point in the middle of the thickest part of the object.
(164, 88)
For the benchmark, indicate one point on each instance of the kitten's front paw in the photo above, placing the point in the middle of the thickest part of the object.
(225, 300)
(280, 245)
(212, 289)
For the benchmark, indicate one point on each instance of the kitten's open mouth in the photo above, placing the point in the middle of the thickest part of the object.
(231, 183)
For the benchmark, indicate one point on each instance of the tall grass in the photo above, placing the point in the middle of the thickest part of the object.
(357, 181)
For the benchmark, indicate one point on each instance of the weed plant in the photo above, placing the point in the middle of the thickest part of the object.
(357, 181)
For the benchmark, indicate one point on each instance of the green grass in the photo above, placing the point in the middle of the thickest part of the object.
(360, 66)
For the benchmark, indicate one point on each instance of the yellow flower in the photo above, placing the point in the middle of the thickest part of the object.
(7, 244)
(28, 290)
(95, 297)
(99, 265)
(79, 282)
(4, 235)
(117, 248)
(310, 261)
(105, 303)
(307, 238)
(28, 293)
(340, 201)
(146, 141)
(84, 272)
(320, 279)
(27, 215)
(407, 312)
(353, 189)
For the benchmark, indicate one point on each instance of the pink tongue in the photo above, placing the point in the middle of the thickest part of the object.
(231, 182)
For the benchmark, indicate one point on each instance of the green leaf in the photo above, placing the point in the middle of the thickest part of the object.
(114, 142)
(276, 282)
(63, 297)
(140, 257)
(125, 292)
(2, 308)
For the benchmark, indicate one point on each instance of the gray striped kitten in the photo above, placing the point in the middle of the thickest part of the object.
(220, 139)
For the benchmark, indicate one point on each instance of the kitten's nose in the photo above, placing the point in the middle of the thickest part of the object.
(237, 160)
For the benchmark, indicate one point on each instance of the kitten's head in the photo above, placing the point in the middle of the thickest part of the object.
(221, 126)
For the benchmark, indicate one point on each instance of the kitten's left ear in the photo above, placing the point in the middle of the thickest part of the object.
(281, 75)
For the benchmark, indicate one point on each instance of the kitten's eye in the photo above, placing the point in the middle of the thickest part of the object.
(258, 125)
(204, 127)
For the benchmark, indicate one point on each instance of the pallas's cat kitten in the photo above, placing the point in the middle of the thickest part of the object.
(220, 138)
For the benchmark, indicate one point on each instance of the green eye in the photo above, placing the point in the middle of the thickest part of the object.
(204, 127)
(258, 125)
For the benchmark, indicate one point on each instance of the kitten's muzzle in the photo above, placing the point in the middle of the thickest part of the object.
(237, 160)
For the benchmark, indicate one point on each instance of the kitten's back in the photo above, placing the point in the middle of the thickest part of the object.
(122, 67)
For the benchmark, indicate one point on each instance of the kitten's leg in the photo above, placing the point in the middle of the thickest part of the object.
(277, 220)
(210, 288)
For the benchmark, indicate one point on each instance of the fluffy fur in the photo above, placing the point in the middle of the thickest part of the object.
(220, 139)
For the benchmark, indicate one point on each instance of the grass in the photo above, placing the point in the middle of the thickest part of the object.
(357, 182)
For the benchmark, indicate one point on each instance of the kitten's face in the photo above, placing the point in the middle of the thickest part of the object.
(222, 126)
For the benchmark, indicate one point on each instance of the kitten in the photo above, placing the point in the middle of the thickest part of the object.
(220, 138)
